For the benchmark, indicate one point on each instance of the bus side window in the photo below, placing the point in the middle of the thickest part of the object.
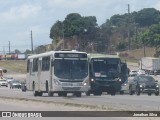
(35, 64)
(46, 63)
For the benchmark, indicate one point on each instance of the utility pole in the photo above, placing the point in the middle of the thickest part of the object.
(4, 51)
(144, 50)
(31, 42)
(129, 41)
(9, 48)
(63, 37)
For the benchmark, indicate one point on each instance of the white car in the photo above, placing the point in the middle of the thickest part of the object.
(9, 79)
(133, 73)
(141, 72)
(3, 82)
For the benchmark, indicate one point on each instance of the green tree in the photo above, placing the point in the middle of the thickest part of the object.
(72, 24)
(121, 46)
(114, 32)
(147, 17)
(40, 49)
(28, 51)
(75, 26)
(17, 51)
(152, 37)
(56, 30)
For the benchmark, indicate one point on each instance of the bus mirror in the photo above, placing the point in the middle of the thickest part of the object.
(4, 71)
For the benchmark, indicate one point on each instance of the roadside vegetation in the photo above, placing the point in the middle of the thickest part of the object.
(127, 34)
(128, 31)
(132, 56)
(135, 55)
(17, 66)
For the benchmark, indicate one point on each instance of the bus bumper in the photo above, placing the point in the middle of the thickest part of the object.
(70, 89)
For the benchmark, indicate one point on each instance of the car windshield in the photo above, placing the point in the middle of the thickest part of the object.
(143, 79)
(15, 81)
(108, 67)
(2, 80)
(71, 69)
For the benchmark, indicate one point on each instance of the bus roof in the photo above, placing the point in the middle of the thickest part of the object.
(96, 55)
(53, 52)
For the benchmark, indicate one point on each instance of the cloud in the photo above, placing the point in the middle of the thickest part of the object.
(20, 13)
(67, 3)
(76, 3)
(19, 17)
(102, 9)
(157, 5)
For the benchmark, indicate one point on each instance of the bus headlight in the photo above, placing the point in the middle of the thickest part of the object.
(157, 86)
(141, 86)
(124, 84)
(56, 82)
(119, 80)
(92, 80)
(85, 84)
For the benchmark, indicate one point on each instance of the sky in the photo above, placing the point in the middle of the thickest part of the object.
(19, 17)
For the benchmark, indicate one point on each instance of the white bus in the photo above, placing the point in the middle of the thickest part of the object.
(59, 72)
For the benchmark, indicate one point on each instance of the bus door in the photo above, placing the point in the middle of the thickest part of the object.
(39, 75)
(51, 72)
(124, 71)
(30, 74)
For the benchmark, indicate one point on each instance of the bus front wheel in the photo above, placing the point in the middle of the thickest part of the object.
(88, 93)
(35, 93)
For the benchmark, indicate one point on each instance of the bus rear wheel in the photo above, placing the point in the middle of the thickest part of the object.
(113, 93)
(78, 94)
(157, 93)
(64, 94)
(40, 93)
(121, 92)
(35, 93)
(50, 93)
(60, 94)
(97, 93)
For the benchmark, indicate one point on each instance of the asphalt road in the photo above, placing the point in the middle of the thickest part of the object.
(103, 102)
(16, 100)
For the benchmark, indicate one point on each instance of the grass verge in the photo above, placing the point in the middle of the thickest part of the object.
(18, 66)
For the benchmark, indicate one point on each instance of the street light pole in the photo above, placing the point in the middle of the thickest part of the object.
(31, 42)
(63, 36)
(129, 41)
(9, 48)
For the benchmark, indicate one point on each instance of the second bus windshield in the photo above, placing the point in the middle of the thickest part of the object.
(106, 67)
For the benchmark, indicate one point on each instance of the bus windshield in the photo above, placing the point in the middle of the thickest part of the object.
(71, 69)
(106, 67)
